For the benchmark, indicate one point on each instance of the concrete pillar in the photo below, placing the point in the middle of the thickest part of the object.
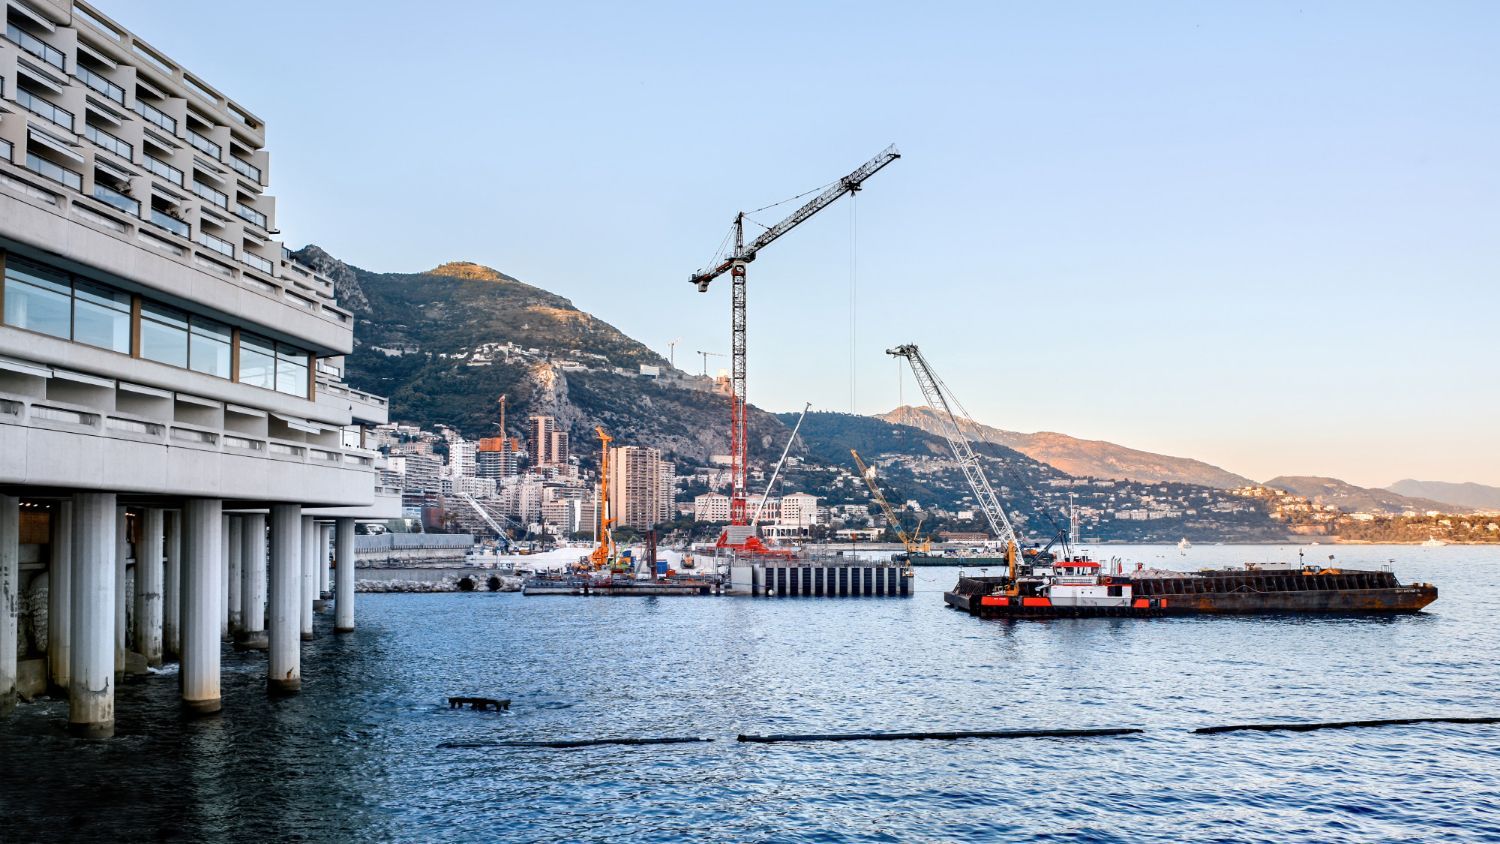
(60, 599)
(202, 566)
(10, 597)
(171, 590)
(325, 541)
(253, 583)
(149, 574)
(236, 576)
(122, 552)
(343, 560)
(284, 665)
(309, 560)
(91, 674)
(224, 577)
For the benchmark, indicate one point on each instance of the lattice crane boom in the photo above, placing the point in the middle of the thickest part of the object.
(741, 255)
(952, 424)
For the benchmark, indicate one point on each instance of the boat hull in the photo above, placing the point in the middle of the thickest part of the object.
(1401, 599)
(967, 562)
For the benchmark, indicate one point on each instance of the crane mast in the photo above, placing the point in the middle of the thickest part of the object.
(952, 424)
(734, 264)
(912, 541)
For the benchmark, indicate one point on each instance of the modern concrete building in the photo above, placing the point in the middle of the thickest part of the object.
(548, 444)
(640, 487)
(173, 422)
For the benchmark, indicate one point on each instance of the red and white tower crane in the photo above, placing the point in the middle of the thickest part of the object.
(734, 263)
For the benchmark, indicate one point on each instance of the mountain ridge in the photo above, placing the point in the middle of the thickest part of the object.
(1467, 494)
(1353, 499)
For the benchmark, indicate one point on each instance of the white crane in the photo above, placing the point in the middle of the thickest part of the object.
(952, 425)
(500, 533)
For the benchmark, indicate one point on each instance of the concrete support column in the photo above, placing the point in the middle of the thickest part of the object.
(202, 566)
(149, 573)
(343, 560)
(236, 573)
(10, 597)
(91, 674)
(224, 577)
(253, 584)
(309, 577)
(171, 590)
(60, 599)
(122, 553)
(284, 665)
(325, 541)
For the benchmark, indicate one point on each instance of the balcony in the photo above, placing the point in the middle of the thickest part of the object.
(105, 140)
(171, 224)
(98, 83)
(156, 116)
(217, 244)
(246, 169)
(259, 263)
(162, 169)
(55, 172)
(204, 145)
(34, 45)
(44, 109)
(250, 215)
(118, 200)
(217, 197)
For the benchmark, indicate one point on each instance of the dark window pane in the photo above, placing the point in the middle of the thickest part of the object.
(103, 296)
(40, 276)
(209, 328)
(43, 309)
(257, 362)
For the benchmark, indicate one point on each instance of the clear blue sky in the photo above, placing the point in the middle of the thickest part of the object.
(1260, 234)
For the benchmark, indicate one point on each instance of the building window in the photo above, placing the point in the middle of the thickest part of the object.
(37, 299)
(257, 362)
(101, 317)
(209, 346)
(291, 370)
(164, 334)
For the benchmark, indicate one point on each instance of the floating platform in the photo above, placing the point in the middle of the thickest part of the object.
(835, 579)
(607, 586)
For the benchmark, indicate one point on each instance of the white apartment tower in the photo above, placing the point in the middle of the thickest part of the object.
(170, 380)
(640, 487)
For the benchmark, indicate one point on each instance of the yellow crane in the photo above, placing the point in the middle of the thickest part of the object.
(913, 541)
(604, 553)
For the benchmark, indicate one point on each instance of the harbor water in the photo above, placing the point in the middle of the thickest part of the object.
(359, 755)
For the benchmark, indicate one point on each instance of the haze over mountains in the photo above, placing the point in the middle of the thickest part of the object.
(1477, 496)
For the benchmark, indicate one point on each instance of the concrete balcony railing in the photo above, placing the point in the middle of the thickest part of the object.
(364, 407)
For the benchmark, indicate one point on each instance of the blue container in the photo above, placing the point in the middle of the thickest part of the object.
(661, 566)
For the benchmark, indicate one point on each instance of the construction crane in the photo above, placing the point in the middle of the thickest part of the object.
(734, 263)
(500, 535)
(952, 424)
(503, 435)
(706, 356)
(604, 552)
(912, 541)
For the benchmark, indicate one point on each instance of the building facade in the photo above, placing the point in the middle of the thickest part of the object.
(170, 376)
(640, 487)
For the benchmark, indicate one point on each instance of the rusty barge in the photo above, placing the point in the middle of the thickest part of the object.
(1078, 587)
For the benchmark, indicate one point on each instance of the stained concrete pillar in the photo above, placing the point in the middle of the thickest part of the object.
(149, 573)
(224, 577)
(236, 573)
(252, 633)
(122, 553)
(309, 577)
(325, 541)
(284, 663)
(171, 589)
(202, 566)
(10, 597)
(91, 673)
(343, 560)
(60, 600)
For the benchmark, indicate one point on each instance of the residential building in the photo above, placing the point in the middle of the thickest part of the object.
(548, 444)
(711, 507)
(640, 486)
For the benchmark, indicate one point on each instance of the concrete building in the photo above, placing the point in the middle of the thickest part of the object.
(497, 464)
(170, 379)
(640, 487)
(798, 509)
(711, 507)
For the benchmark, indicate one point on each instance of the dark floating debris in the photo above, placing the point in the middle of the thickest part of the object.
(1339, 725)
(946, 736)
(478, 704)
(567, 743)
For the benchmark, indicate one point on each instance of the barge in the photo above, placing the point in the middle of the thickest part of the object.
(1079, 587)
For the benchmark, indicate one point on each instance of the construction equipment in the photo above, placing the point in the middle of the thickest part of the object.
(706, 356)
(771, 484)
(913, 541)
(734, 263)
(952, 424)
(503, 435)
(500, 535)
(605, 551)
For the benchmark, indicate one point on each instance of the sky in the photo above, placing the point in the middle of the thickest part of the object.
(1260, 234)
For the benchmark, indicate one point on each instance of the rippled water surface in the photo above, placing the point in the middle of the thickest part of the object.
(356, 756)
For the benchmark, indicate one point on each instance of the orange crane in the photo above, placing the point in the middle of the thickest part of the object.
(734, 262)
(605, 550)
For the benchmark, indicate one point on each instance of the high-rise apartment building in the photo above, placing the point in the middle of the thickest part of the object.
(640, 487)
(548, 444)
(163, 359)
